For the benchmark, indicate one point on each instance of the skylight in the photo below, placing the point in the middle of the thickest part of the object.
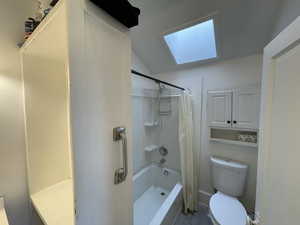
(193, 43)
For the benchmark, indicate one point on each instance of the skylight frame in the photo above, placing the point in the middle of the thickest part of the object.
(213, 16)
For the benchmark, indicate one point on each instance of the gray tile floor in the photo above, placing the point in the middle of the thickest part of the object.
(199, 218)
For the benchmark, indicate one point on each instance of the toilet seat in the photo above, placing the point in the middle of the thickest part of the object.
(227, 210)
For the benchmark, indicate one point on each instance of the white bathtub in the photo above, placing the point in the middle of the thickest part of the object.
(157, 196)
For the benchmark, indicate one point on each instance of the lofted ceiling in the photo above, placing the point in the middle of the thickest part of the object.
(243, 27)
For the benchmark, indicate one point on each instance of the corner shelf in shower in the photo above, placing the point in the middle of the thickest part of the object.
(151, 148)
(151, 124)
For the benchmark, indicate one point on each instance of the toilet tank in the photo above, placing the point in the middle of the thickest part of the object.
(228, 177)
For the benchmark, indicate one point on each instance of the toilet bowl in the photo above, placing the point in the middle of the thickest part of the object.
(227, 210)
(229, 180)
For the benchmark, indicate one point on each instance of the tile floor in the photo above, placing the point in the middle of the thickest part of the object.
(199, 218)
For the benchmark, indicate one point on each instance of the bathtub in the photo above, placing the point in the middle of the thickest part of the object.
(157, 196)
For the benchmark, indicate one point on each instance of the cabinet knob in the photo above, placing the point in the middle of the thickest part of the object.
(228, 121)
(234, 122)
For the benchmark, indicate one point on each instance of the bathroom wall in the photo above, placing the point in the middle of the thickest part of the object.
(287, 13)
(13, 184)
(163, 135)
(227, 74)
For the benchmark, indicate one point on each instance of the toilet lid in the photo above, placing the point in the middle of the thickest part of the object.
(227, 210)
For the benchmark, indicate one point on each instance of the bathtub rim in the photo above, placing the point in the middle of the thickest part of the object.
(167, 204)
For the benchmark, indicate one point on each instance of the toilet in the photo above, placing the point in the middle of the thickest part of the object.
(229, 179)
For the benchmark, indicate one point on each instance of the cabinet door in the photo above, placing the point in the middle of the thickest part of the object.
(245, 108)
(219, 108)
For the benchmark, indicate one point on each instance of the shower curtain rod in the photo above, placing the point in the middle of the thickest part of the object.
(156, 80)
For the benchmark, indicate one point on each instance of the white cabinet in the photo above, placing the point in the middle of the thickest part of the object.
(236, 108)
(245, 108)
(219, 105)
(72, 65)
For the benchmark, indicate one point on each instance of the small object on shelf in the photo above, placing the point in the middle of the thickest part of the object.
(151, 148)
(30, 25)
(247, 138)
(46, 12)
(39, 13)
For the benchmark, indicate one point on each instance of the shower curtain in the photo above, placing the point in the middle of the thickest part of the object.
(188, 154)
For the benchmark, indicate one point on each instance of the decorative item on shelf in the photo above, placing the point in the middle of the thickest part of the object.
(247, 138)
(46, 12)
(40, 11)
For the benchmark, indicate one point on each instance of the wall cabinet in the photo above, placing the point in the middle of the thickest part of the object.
(237, 108)
(219, 108)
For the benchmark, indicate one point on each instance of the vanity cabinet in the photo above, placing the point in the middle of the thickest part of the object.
(237, 108)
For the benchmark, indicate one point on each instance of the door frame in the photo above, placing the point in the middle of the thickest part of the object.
(286, 40)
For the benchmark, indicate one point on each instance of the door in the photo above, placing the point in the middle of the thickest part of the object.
(219, 108)
(245, 109)
(100, 93)
(279, 152)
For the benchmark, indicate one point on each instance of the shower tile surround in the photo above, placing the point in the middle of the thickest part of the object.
(145, 110)
(157, 195)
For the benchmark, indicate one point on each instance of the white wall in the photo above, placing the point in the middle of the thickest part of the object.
(12, 142)
(227, 74)
(288, 12)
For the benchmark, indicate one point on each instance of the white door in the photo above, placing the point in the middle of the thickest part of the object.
(245, 107)
(219, 108)
(101, 101)
(278, 199)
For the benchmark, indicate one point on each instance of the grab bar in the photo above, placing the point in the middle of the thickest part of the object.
(119, 133)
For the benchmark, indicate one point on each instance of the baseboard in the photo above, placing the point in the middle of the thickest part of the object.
(204, 197)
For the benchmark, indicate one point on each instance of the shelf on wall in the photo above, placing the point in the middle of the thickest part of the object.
(151, 148)
(234, 137)
(232, 142)
(55, 204)
(151, 124)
